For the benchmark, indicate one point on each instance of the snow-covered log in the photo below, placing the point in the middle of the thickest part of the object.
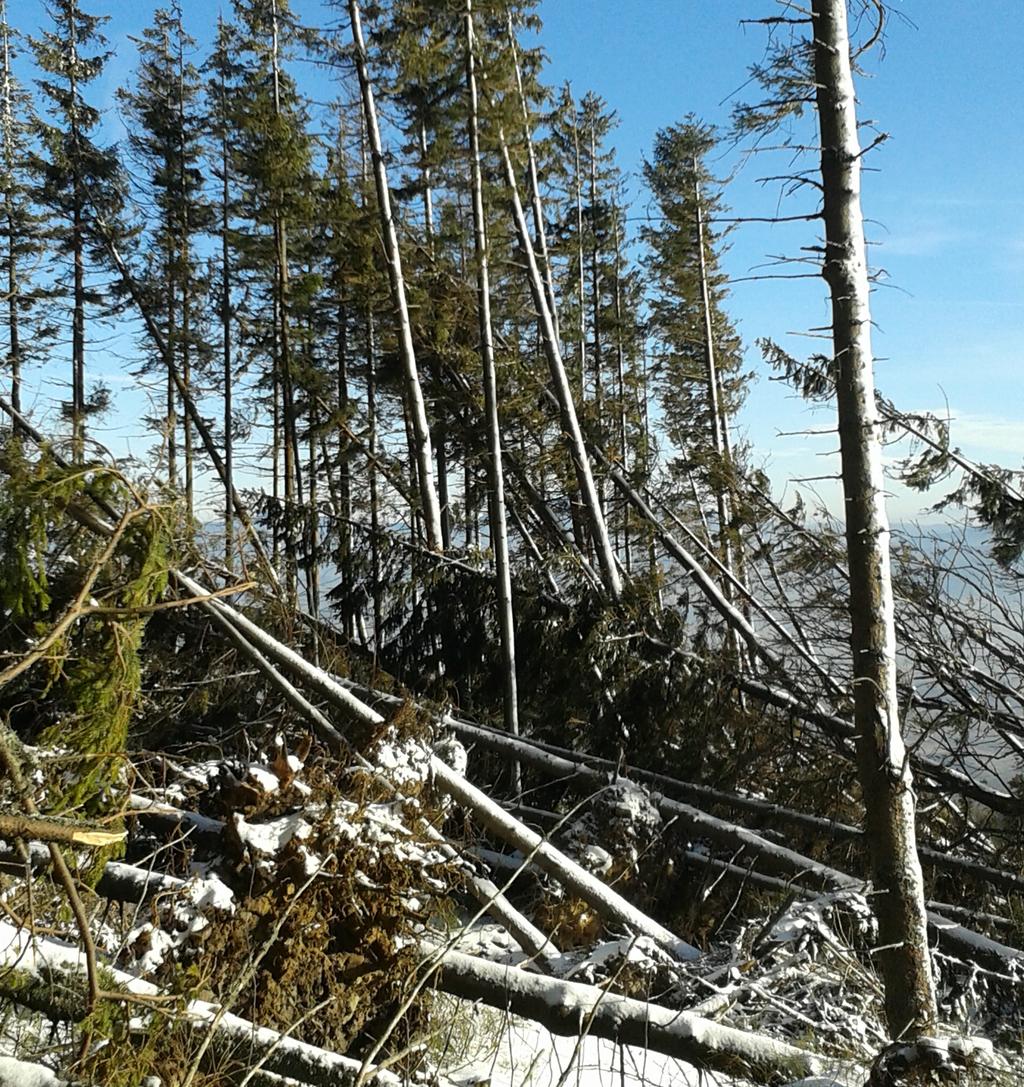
(26, 959)
(571, 1008)
(609, 904)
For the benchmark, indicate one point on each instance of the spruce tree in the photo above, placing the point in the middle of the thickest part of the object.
(21, 245)
(78, 182)
(699, 353)
(272, 155)
(166, 127)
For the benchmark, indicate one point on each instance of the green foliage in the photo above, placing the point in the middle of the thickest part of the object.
(91, 674)
(102, 674)
(24, 593)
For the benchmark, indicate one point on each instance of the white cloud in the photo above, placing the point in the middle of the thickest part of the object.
(981, 436)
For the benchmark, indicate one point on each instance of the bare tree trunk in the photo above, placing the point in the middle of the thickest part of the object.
(540, 231)
(422, 451)
(372, 437)
(620, 379)
(565, 1006)
(883, 765)
(228, 377)
(171, 394)
(13, 286)
(227, 372)
(570, 423)
(499, 524)
(78, 259)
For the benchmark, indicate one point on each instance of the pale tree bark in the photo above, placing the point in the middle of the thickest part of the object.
(572, 1008)
(620, 388)
(289, 422)
(13, 284)
(563, 392)
(227, 368)
(540, 230)
(883, 764)
(498, 519)
(78, 260)
(422, 453)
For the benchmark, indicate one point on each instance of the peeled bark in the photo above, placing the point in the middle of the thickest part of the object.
(883, 764)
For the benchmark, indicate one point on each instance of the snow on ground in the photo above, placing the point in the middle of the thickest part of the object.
(505, 1051)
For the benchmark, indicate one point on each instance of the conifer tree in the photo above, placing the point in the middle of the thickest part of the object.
(272, 154)
(21, 247)
(699, 352)
(77, 182)
(222, 72)
(166, 127)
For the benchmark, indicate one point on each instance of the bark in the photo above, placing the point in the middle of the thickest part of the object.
(570, 423)
(13, 324)
(422, 452)
(883, 764)
(227, 373)
(498, 519)
(539, 229)
(78, 261)
(715, 409)
(44, 829)
(571, 1008)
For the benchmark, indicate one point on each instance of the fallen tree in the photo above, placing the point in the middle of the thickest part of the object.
(574, 1009)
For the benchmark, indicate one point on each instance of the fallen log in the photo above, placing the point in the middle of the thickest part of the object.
(574, 1009)
(607, 902)
(28, 962)
(764, 809)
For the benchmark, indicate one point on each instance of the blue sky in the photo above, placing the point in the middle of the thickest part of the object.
(945, 193)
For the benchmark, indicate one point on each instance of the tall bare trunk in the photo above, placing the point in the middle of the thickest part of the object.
(883, 764)
(716, 418)
(539, 228)
(226, 364)
(78, 259)
(185, 258)
(171, 394)
(563, 392)
(13, 286)
(421, 451)
(499, 525)
(620, 391)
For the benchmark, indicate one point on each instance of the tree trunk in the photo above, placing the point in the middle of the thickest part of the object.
(570, 423)
(499, 523)
(572, 1008)
(421, 451)
(13, 329)
(883, 765)
(540, 231)
(227, 372)
(716, 413)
